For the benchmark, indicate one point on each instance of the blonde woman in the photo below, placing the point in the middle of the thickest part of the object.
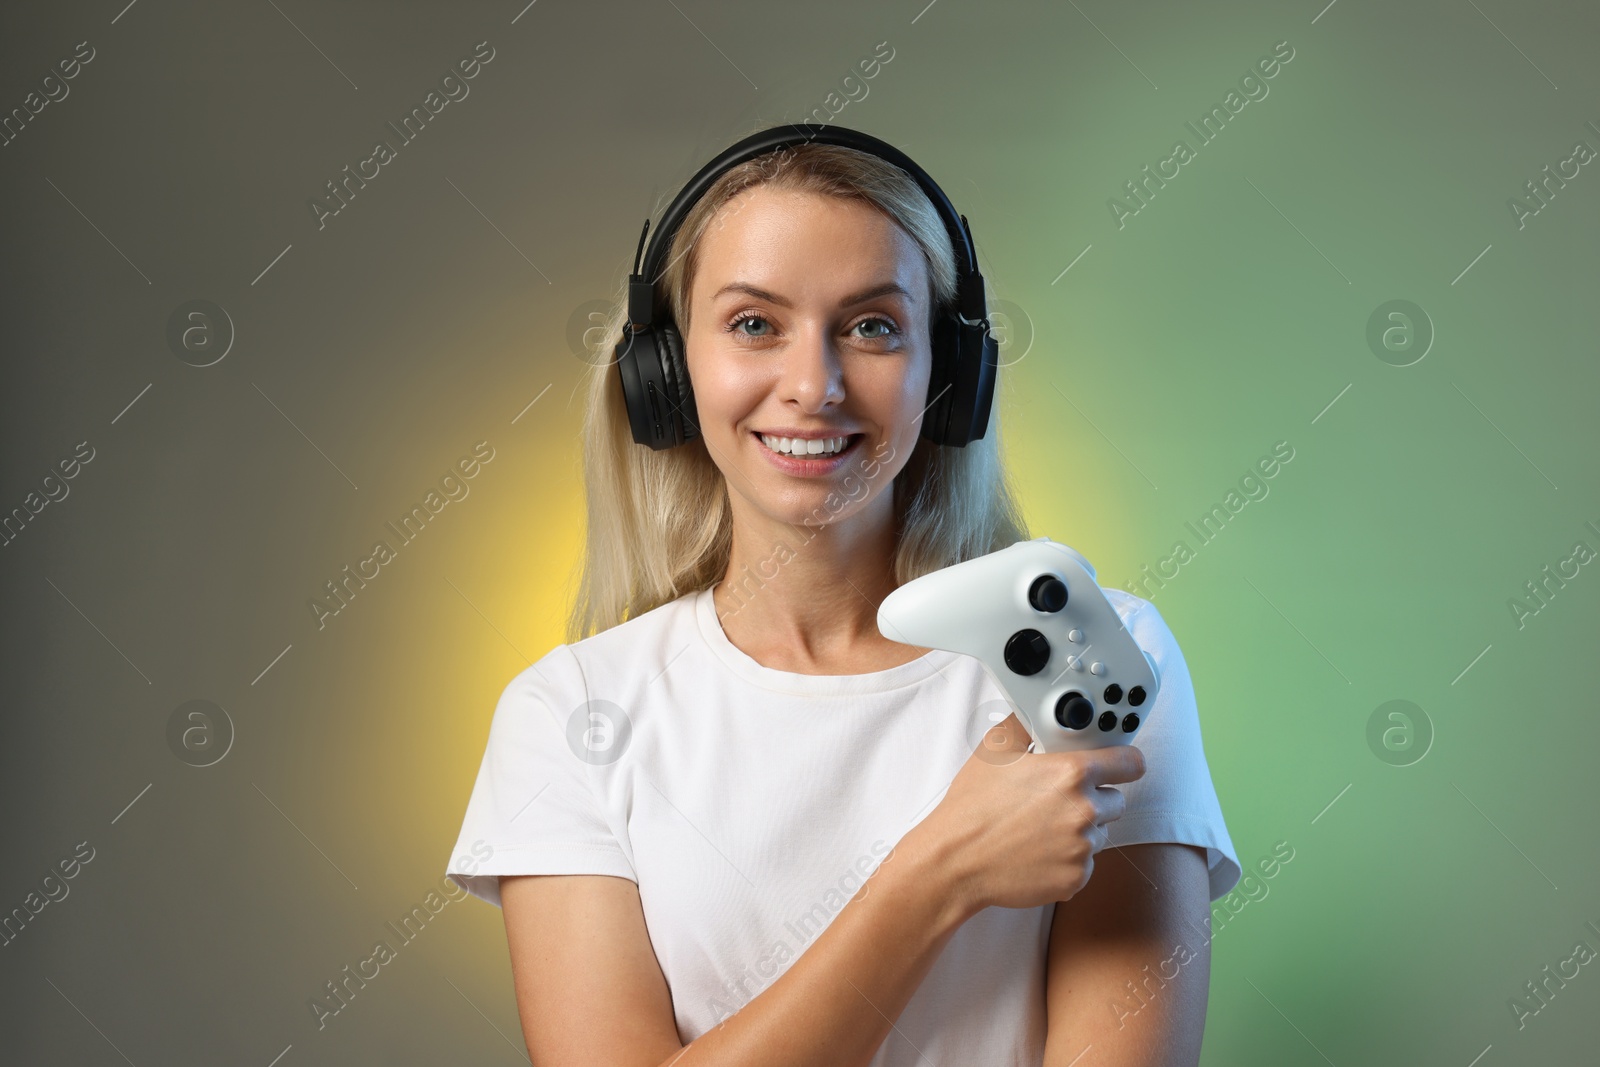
(730, 822)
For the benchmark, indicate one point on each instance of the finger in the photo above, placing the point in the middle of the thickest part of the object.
(1008, 735)
(1109, 803)
(1120, 763)
(1005, 737)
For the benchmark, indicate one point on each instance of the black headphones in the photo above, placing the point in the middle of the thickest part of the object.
(650, 356)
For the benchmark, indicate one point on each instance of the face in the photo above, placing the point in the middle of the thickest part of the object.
(808, 320)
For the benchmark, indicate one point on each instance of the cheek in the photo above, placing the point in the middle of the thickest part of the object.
(912, 389)
(919, 368)
(725, 389)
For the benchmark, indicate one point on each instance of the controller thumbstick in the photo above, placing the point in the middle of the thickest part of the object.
(1027, 652)
(1048, 594)
(1074, 711)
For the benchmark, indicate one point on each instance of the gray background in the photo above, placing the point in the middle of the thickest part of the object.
(436, 311)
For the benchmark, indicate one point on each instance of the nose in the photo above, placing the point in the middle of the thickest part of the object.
(813, 375)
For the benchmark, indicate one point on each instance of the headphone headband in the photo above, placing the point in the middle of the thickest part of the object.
(641, 297)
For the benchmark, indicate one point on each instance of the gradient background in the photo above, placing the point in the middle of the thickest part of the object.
(1229, 314)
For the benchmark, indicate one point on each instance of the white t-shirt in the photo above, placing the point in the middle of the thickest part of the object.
(748, 804)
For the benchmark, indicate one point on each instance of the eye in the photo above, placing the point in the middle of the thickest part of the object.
(880, 328)
(890, 328)
(734, 326)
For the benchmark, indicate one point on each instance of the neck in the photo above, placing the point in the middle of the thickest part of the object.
(810, 591)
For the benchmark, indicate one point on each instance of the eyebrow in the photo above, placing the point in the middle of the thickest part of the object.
(881, 289)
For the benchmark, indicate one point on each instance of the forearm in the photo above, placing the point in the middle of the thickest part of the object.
(835, 1004)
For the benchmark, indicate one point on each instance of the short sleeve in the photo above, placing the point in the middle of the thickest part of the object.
(533, 809)
(1175, 801)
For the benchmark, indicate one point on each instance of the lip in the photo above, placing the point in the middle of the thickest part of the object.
(808, 468)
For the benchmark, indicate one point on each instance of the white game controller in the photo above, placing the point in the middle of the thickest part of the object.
(1034, 614)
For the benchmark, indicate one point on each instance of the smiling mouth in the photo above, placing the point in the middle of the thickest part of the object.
(801, 448)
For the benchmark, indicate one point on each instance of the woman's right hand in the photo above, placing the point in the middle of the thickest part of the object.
(1020, 829)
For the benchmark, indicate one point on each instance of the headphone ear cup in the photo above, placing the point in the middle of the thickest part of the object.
(635, 356)
(961, 389)
(684, 420)
(979, 362)
(945, 343)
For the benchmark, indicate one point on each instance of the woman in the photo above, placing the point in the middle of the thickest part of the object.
(744, 821)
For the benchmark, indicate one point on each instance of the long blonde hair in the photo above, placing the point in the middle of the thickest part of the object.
(659, 524)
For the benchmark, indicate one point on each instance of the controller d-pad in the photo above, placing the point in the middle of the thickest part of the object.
(1113, 693)
(1074, 711)
(1108, 720)
(1027, 652)
(1130, 722)
(1048, 594)
(1136, 695)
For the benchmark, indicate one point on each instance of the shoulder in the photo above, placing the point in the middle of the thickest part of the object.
(645, 643)
(1144, 622)
(574, 682)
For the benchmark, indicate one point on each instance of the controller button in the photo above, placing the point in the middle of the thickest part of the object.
(1113, 693)
(1108, 720)
(1027, 652)
(1048, 594)
(1075, 636)
(1097, 668)
(1130, 722)
(1074, 711)
(1136, 695)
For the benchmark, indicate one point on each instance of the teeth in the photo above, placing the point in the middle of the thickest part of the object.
(800, 446)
